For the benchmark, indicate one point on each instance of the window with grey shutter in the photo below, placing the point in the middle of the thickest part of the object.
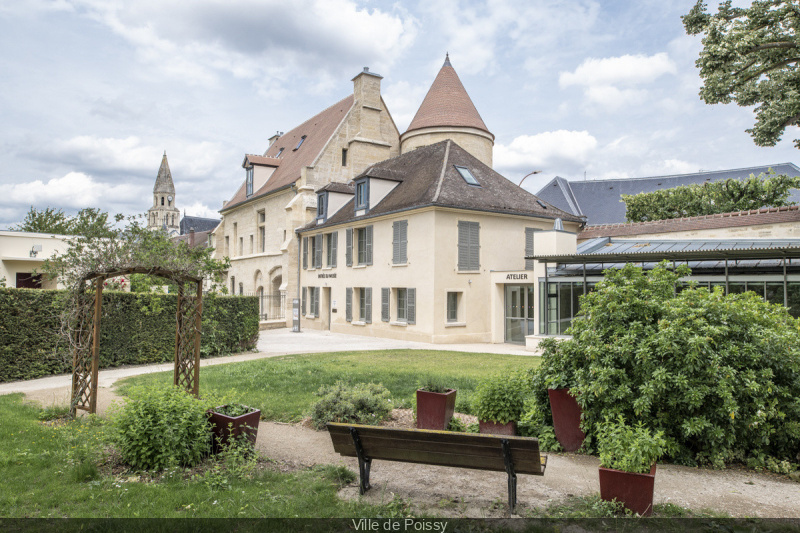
(348, 304)
(385, 304)
(400, 242)
(333, 248)
(303, 303)
(411, 302)
(305, 252)
(318, 251)
(368, 242)
(315, 310)
(468, 245)
(368, 305)
(529, 247)
(348, 252)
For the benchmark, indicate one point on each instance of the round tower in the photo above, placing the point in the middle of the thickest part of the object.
(447, 112)
(164, 215)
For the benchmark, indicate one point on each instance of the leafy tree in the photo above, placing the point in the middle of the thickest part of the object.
(718, 374)
(88, 221)
(750, 56)
(710, 198)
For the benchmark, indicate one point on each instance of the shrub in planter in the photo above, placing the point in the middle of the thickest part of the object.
(231, 421)
(435, 405)
(718, 374)
(360, 403)
(628, 456)
(161, 426)
(498, 403)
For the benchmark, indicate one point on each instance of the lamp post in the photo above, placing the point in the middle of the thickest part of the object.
(529, 174)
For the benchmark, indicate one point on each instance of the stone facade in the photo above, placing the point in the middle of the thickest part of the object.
(366, 132)
(477, 142)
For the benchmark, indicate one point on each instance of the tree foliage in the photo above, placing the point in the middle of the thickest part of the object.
(750, 56)
(88, 221)
(710, 198)
(719, 375)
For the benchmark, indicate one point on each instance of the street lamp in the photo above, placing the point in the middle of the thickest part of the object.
(529, 174)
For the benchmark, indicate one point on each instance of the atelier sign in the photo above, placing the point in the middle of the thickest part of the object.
(517, 276)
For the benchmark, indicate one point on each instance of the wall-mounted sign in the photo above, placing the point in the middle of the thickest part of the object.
(517, 276)
(326, 275)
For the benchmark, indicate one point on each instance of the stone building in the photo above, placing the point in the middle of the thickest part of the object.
(164, 214)
(257, 231)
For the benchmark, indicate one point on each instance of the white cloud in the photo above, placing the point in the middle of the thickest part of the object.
(551, 152)
(403, 100)
(623, 70)
(199, 209)
(74, 190)
(256, 39)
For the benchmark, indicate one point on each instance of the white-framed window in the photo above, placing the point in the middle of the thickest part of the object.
(322, 205)
(331, 246)
(405, 305)
(358, 299)
(262, 232)
(453, 303)
(249, 182)
(362, 194)
(363, 246)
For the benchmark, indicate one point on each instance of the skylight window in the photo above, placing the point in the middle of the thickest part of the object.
(279, 153)
(467, 175)
(303, 138)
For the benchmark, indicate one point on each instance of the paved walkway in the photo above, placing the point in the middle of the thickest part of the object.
(271, 343)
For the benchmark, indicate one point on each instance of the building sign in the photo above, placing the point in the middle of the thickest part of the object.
(326, 275)
(517, 276)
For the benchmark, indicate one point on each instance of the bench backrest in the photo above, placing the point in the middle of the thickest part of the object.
(444, 448)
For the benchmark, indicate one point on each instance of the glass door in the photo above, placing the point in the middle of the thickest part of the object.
(519, 308)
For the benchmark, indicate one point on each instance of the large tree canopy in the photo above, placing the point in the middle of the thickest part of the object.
(88, 221)
(750, 56)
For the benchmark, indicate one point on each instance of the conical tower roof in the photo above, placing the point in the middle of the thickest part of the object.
(447, 104)
(164, 179)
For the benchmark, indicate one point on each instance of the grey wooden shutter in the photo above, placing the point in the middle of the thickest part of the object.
(468, 245)
(399, 242)
(315, 311)
(474, 246)
(529, 247)
(411, 303)
(348, 252)
(368, 240)
(318, 251)
(303, 303)
(334, 245)
(463, 245)
(348, 304)
(305, 252)
(385, 305)
(368, 305)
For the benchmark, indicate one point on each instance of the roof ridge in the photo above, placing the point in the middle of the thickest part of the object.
(747, 212)
(441, 174)
(700, 173)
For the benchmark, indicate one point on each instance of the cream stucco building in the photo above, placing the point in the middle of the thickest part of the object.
(22, 254)
(257, 231)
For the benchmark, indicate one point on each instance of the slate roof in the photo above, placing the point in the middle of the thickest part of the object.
(447, 104)
(336, 186)
(198, 223)
(427, 177)
(164, 179)
(250, 159)
(601, 203)
(317, 130)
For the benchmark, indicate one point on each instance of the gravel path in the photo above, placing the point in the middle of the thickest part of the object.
(471, 493)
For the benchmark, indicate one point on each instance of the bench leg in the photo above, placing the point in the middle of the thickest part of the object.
(364, 463)
(512, 476)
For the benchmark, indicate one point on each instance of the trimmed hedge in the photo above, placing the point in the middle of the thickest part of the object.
(136, 328)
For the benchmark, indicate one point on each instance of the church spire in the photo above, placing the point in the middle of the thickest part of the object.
(164, 214)
(164, 179)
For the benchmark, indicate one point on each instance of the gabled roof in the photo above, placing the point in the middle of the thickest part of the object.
(250, 159)
(164, 179)
(336, 186)
(198, 224)
(600, 200)
(317, 132)
(427, 176)
(447, 104)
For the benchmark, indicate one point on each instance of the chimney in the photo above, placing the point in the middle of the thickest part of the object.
(275, 138)
(367, 89)
(191, 237)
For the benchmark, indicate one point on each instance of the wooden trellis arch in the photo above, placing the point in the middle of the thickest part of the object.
(86, 349)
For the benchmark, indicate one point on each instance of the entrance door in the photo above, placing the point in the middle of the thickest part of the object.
(519, 309)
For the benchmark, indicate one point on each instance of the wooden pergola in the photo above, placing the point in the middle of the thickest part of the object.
(86, 352)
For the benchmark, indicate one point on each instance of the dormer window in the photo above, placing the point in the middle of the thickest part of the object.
(249, 182)
(303, 138)
(362, 195)
(322, 206)
(467, 175)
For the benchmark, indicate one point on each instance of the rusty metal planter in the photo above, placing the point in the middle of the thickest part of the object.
(495, 428)
(224, 428)
(435, 409)
(635, 491)
(566, 419)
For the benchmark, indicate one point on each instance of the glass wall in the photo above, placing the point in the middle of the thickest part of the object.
(519, 312)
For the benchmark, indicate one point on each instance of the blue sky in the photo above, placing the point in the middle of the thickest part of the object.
(93, 91)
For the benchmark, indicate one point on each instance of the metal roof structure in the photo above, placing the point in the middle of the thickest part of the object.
(608, 250)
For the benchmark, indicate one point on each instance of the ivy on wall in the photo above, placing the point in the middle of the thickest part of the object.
(136, 328)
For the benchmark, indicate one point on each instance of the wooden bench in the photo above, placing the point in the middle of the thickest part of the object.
(514, 455)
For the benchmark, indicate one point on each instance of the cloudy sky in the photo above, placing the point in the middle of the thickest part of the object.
(93, 91)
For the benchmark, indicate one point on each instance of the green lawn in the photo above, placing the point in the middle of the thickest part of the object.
(283, 387)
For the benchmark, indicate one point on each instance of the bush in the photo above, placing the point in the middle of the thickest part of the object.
(501, 399)
(533, 423)
(628, 448)
(361, 403)
(160, 426)
(719, 375)
(135, 329)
